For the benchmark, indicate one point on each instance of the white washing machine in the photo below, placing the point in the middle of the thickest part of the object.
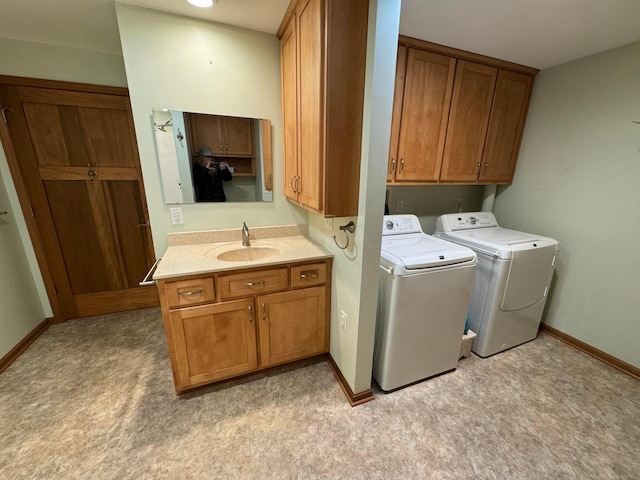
(424, 294)
(512, 279)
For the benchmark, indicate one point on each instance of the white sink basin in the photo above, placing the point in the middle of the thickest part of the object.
(247, 254)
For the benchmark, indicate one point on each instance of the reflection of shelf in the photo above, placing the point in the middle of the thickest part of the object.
(243, 167)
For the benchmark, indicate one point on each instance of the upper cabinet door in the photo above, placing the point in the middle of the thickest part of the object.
(470, 109)
(206, 131)
(508, 114)
(288, 54)
(238, 136)
(310, 126)
(401, 71)
(425, 112)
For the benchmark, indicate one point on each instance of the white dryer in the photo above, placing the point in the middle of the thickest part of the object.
(512, 279)
(425, 289)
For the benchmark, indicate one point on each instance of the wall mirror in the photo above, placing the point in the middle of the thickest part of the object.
(213, 158)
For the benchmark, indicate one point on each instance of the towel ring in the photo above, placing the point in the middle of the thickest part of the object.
(349, 227)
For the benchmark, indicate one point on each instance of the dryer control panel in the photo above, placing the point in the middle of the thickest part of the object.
(465, 221)
(400, 224)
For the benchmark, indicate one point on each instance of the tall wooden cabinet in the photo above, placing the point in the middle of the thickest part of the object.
(323, 54)
(458, 117)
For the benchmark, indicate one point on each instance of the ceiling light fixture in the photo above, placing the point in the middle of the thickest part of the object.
(201, 3)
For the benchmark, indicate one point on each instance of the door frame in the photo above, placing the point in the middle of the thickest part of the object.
(21, 187)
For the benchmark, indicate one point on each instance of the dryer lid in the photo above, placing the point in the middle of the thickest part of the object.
(498, 241)
(422, 251)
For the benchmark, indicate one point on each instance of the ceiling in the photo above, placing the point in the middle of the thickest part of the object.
(540, 33)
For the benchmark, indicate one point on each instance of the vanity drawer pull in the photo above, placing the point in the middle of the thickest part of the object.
(308, 274)
(199, 291)
(241, 284)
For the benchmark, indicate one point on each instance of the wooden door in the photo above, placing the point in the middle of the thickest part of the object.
(238, 136)
(425, 112)
(292, 325)
(310, 113)
(212, 342)
(506, 124)
(468, 120)
(288, 65)
(76, 153)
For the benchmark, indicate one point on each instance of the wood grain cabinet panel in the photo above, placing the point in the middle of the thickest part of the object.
(213, 342)
(323, 54)
(506, 125)
(468, 119)
(292, 325)
(425, 113)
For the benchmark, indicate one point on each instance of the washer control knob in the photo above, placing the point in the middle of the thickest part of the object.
(472, 220)
(389, 225)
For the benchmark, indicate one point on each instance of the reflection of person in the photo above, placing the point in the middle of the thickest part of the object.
(208, 175)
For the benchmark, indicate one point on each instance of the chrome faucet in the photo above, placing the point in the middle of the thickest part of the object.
(245, 235)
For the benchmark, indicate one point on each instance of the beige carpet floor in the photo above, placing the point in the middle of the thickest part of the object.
(94, 399)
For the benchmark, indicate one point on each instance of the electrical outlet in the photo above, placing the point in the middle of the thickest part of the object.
(343, 320)
(328, 223)
(399, 206)
(176, 216)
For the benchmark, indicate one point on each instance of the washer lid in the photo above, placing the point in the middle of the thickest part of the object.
(420, 251)
(498, 241)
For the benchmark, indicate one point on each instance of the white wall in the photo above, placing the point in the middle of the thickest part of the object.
(355, 287)
(185, 64)
(36, 60)
(578, 180)
(21, 309)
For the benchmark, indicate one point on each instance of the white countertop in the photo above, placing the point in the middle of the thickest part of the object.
(189, 258)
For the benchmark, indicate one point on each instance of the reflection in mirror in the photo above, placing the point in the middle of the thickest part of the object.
(213, 158)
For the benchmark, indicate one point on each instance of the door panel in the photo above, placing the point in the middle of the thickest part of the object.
(425, 112)
(77, 156)
(288, 53)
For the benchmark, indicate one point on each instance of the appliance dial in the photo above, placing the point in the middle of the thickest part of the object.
(389, 225)
(472, 220)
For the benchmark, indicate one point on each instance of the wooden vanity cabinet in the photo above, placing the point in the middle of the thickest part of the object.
(226, 324)
(323, 54)
(458, 117)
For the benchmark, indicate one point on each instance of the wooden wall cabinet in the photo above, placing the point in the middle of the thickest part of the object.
(323, 54)
(458, 117)
(226, 324)
(225, 136)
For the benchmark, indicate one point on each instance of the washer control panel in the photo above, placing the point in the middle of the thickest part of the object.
(400, 224)
(465, 221)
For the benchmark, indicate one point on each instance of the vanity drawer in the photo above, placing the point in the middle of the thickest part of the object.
(190, 292)
(244, 284)
(308, 275)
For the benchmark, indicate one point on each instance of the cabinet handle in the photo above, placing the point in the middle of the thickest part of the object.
(393, 165)
(293, 187)
(264, 312)
(250, 314)
(226, 146)
(259, 283)
(199, 291)
(309, 274)
(485, 168)
(401, 165)
(479, 168)
(220, 146)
